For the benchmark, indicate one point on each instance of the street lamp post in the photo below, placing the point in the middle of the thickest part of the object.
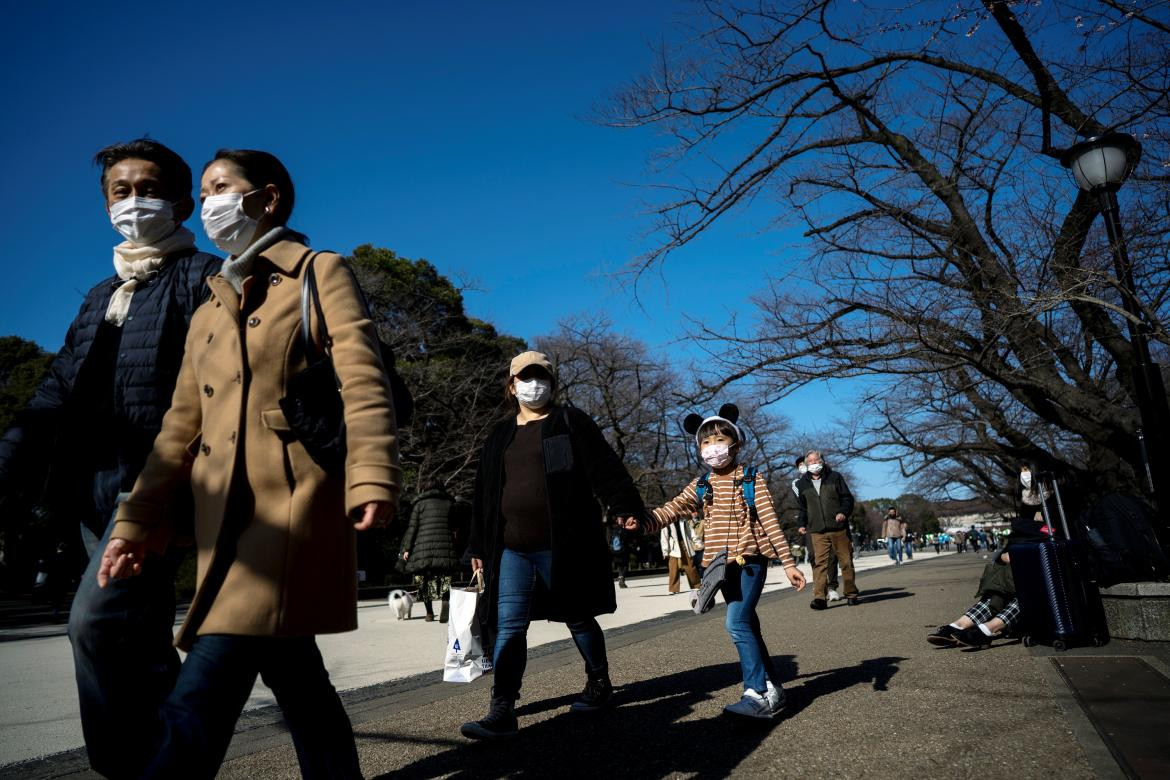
(1100, 165)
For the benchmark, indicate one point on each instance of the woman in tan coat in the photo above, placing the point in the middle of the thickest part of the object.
(275, 553)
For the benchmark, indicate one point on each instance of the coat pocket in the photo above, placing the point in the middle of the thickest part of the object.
(193, 445)
(558, 454)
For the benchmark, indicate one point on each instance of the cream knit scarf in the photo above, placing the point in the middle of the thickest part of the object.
(136, 263)
(237, 269)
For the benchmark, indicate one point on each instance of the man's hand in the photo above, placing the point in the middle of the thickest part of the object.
(120, 560)
(375, 513)
(628, 523)
(840, 518)
(405, 555)
(476, 565)
(1003, 556)
(802, 530)
(796, 577)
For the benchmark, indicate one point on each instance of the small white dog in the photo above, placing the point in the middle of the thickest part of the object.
(402, 602)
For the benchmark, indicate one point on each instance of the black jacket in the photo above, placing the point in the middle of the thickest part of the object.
(430, 536)
(47, 444)
(582, 474)
(818, 511)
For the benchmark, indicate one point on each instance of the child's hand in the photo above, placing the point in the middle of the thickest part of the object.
(795, 577)
(628, 523)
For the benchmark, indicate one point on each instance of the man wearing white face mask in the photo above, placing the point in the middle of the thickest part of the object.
(91, 424)
(825, 506)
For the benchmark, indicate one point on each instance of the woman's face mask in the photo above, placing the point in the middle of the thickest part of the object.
(142, 220)
(225, 222)
(533, 393)
(1026, 479)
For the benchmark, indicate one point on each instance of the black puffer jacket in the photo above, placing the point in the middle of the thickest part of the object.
(47, 444)
(430, 536)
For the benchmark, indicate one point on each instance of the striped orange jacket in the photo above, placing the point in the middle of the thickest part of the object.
(727, 523)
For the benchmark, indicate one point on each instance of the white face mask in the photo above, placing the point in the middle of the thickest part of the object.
(1026, 479)
(803, 468)
(716, 455)
(533, 393)
(142, 220)
(225, 222)
(815, 468)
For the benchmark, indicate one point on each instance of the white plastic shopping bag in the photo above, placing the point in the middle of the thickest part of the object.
(465, 658)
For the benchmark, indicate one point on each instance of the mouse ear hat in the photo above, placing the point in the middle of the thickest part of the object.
(728, 413)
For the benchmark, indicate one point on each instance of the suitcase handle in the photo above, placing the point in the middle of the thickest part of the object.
(1059, 504)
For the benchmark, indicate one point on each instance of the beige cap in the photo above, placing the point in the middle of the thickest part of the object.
(530, 358)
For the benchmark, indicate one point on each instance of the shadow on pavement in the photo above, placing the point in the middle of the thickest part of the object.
(647, 734)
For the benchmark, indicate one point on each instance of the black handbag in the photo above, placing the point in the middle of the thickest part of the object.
(313, 407)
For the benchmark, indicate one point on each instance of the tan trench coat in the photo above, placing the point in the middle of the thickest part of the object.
(281, 549)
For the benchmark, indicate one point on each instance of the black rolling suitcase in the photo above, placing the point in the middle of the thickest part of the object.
(1059, 601)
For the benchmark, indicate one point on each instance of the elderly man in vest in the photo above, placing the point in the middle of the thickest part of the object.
(825, 505)
(92, 422)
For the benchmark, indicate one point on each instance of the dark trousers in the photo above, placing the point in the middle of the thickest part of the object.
(518, 573)
(124, 661)
(199, 717)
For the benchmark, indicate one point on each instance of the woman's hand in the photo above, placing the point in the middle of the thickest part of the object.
(120, 560)
(1003, 556)
(476, 565)
(796, 577)
(375, 513)
(628, 523)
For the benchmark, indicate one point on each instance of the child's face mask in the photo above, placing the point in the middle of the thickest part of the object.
(716, 455)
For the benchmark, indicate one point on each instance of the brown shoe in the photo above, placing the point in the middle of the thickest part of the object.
(430, 618)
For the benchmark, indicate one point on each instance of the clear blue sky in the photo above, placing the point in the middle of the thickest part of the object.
(454, 131)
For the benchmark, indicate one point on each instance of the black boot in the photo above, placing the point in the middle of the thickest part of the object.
(445, 612)
(499, 723)
(597, 695)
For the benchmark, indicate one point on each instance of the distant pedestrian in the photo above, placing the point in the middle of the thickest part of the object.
(825, 506)
(697, 538)
(428, 548)
(678, 550)
(908, 544)
(894, 529)
(547, 479)
(749, 533)
(620, 553)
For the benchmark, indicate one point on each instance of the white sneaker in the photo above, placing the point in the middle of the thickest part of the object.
(751, 705)
(834, 595)
(775, 697)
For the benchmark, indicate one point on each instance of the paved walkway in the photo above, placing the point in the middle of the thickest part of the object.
(868, 697)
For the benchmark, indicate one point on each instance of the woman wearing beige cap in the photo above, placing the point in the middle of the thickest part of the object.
(547, 480)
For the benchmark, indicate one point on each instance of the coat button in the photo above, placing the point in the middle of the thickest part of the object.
(217, 304)
(239, 377)
(208, 390)
(210, 336)
(205, 449)
(275, 279)
(253, 322)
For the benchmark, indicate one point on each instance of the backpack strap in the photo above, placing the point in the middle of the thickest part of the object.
(749, 487)
(703, 488)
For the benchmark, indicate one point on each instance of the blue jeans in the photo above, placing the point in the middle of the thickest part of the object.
(741, 591)
(895, 548)
(124, 661)
(199, 717)
(518, 573)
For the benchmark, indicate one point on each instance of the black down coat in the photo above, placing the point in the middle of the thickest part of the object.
(46, 445)
(586, 481)
(430, 536)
